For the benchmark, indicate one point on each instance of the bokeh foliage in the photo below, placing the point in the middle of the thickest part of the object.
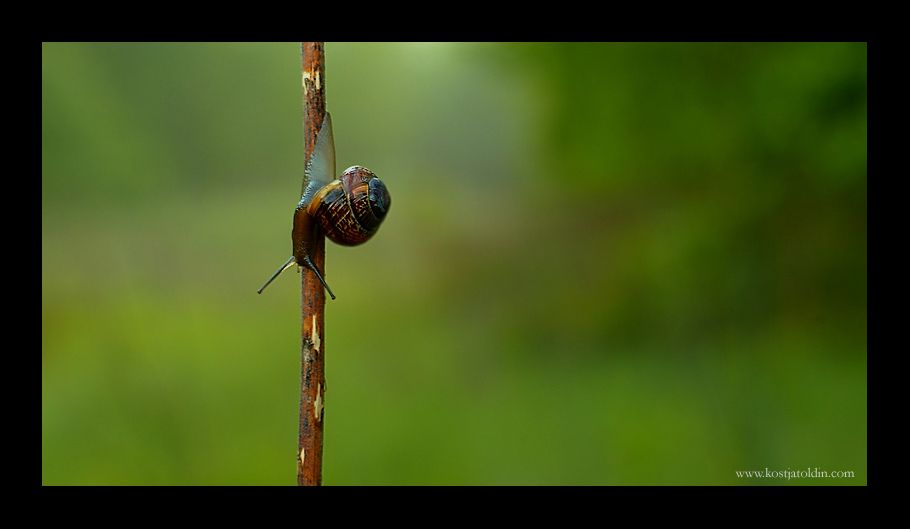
(604, 264)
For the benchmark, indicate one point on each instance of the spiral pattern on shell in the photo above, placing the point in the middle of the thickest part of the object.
(349, 210)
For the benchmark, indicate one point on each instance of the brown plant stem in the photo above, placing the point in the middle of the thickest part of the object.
(312, 306)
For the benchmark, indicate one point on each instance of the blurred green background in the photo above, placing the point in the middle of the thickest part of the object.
(603, 264)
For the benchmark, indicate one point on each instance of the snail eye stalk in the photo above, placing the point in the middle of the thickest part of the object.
(309, 264)
(284, 267)
(312, 266)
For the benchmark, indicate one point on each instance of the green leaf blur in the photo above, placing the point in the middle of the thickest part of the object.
(603, 264)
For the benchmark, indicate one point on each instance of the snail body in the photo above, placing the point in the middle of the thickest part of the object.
(347, 210)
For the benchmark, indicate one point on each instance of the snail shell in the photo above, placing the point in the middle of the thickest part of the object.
(349, 210)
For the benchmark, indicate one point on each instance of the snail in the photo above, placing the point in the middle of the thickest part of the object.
(347, 210)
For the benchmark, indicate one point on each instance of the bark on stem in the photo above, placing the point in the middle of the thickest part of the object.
(312, 348)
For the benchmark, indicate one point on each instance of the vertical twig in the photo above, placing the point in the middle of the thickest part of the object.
(312, 307)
